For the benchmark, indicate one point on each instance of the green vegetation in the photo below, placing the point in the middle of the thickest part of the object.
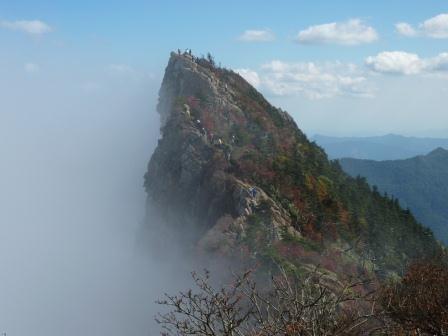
(420, 184)
(327, 206)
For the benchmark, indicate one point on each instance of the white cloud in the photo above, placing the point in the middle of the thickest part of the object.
(438, 63)
(313, 80)
(33, 27)
(435, 27)
(257, 36)
(405, 29)
(31, 67)
(251, 76)
(396, 62)
(351, 32)
(403, 63)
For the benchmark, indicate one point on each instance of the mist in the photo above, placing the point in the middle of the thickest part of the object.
(73, 154)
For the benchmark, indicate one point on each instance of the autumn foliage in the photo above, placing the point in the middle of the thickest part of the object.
(418, 304)
(288, 306)
(311, 305)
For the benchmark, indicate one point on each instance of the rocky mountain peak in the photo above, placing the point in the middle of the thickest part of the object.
(234, 175)
(184, 77)
(204, 131)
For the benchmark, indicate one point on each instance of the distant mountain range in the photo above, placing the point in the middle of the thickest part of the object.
(387, 147)
(420, 183)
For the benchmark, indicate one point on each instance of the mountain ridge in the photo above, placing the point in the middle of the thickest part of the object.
(386, 147)
(420, 183)
(234, 175)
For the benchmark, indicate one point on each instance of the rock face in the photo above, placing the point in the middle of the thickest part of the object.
(188, 179)
(232, 172)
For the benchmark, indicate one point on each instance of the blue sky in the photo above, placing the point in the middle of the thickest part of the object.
(84, 40)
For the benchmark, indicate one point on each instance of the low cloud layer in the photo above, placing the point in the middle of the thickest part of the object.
(404, 63)
(351, 32)
(73, 202)
(264, 35)
(310, 79)
(434, 27)
(31, 27)
(320, 80)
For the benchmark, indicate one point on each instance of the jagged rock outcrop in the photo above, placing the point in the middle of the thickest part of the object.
(188, 181)
(230, 171)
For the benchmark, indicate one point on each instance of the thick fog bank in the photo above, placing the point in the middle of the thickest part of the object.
(71, 201)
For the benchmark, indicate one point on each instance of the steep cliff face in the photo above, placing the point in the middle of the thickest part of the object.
(233, 174)
(189, 179)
